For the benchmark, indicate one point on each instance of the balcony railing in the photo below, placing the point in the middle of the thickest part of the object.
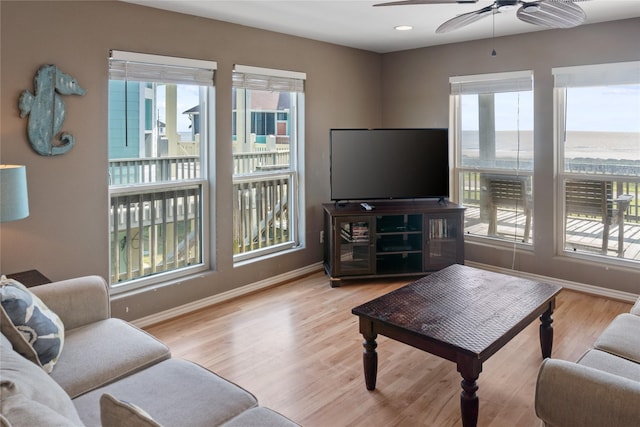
(585, 231)
(472, 189)
(261, 194)
(244, 163)
(260, 212)
(156, 226)
(153, 169)
(154, 230)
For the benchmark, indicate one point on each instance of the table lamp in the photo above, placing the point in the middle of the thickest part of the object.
(14, 202)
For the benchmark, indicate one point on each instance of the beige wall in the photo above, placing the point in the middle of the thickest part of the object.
(66, 233)
(416, 93)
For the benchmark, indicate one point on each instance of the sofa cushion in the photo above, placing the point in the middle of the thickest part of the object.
(622, 337)
(105, 351)
(612, 364)
(118, 413)
(260, 417)
(29, 396)
(20, 410)
(175, 393)
(35, 331)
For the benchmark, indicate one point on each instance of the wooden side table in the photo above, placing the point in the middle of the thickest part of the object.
(30, 278)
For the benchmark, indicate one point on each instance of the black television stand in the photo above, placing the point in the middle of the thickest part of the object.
(397, 238)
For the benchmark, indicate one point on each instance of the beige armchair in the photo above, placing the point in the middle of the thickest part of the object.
(603, 388)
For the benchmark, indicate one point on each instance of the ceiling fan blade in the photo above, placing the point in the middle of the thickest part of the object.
(552, 14)
(410, 2)
(464, 20)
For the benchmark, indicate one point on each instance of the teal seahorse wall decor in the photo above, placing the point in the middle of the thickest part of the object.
(46, 110)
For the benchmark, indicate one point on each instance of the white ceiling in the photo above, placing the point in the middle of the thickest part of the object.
(356, 23)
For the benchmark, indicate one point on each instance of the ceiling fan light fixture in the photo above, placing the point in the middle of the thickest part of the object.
(531, 8)
(506, 5)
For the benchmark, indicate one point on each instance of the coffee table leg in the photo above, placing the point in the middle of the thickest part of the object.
(546, 331)
(370, 360)
(470, 370)
(469, 402)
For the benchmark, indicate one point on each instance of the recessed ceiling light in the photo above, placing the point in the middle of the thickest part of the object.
(403, 27)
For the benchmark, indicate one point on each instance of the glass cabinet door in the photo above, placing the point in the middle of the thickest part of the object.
(354, 245)
(442, 248)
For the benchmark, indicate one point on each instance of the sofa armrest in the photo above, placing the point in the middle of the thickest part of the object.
(636, 308)
(78, 301)
(569, 394)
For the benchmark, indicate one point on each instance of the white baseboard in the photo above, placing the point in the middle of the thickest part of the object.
(291, 275)
(225, 296)
(581, 287)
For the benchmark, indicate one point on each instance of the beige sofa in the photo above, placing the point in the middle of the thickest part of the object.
(603, 388)
(113, 374)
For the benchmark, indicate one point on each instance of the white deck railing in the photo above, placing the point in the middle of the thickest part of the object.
(156, 229)
(260, 212)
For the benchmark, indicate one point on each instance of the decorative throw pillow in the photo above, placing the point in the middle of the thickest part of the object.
(34, 331)
(118, 413)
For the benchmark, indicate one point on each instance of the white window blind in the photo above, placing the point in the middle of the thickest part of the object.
(160, 69)
(516, 81)
(257, 78)
(620, 73)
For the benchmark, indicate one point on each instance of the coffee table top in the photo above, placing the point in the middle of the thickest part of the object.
(473, 310)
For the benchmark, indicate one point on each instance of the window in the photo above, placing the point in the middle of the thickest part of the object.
(492, 138)
(160, 125)
(597, 111)
(268, 130)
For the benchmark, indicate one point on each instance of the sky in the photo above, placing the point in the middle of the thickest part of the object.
(603, 109)
(613, 108)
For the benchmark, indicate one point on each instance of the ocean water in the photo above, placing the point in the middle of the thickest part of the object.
(578, 145)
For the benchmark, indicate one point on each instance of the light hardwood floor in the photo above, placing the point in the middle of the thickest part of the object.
(297, 348)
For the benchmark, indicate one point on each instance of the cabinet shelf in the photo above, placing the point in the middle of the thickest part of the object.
(397, 239)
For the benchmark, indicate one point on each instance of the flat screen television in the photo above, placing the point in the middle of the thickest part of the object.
(382, 164)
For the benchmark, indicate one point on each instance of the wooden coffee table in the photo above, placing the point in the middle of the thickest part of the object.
(462, 314)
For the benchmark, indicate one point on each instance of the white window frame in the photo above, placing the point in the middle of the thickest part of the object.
(167, 69)
(260, 78)
(610, 74)
(511, 81)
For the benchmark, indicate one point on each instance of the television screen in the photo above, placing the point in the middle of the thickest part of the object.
(379, 164)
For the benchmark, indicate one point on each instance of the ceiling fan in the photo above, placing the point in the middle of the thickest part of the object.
(545, 13)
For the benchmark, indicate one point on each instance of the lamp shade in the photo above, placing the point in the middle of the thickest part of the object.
(14, 202)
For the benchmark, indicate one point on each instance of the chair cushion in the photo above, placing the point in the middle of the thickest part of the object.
(35, 331)
(30, 397)
(607, 362)
(175, 393)
(102, 352)
(622, 337)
